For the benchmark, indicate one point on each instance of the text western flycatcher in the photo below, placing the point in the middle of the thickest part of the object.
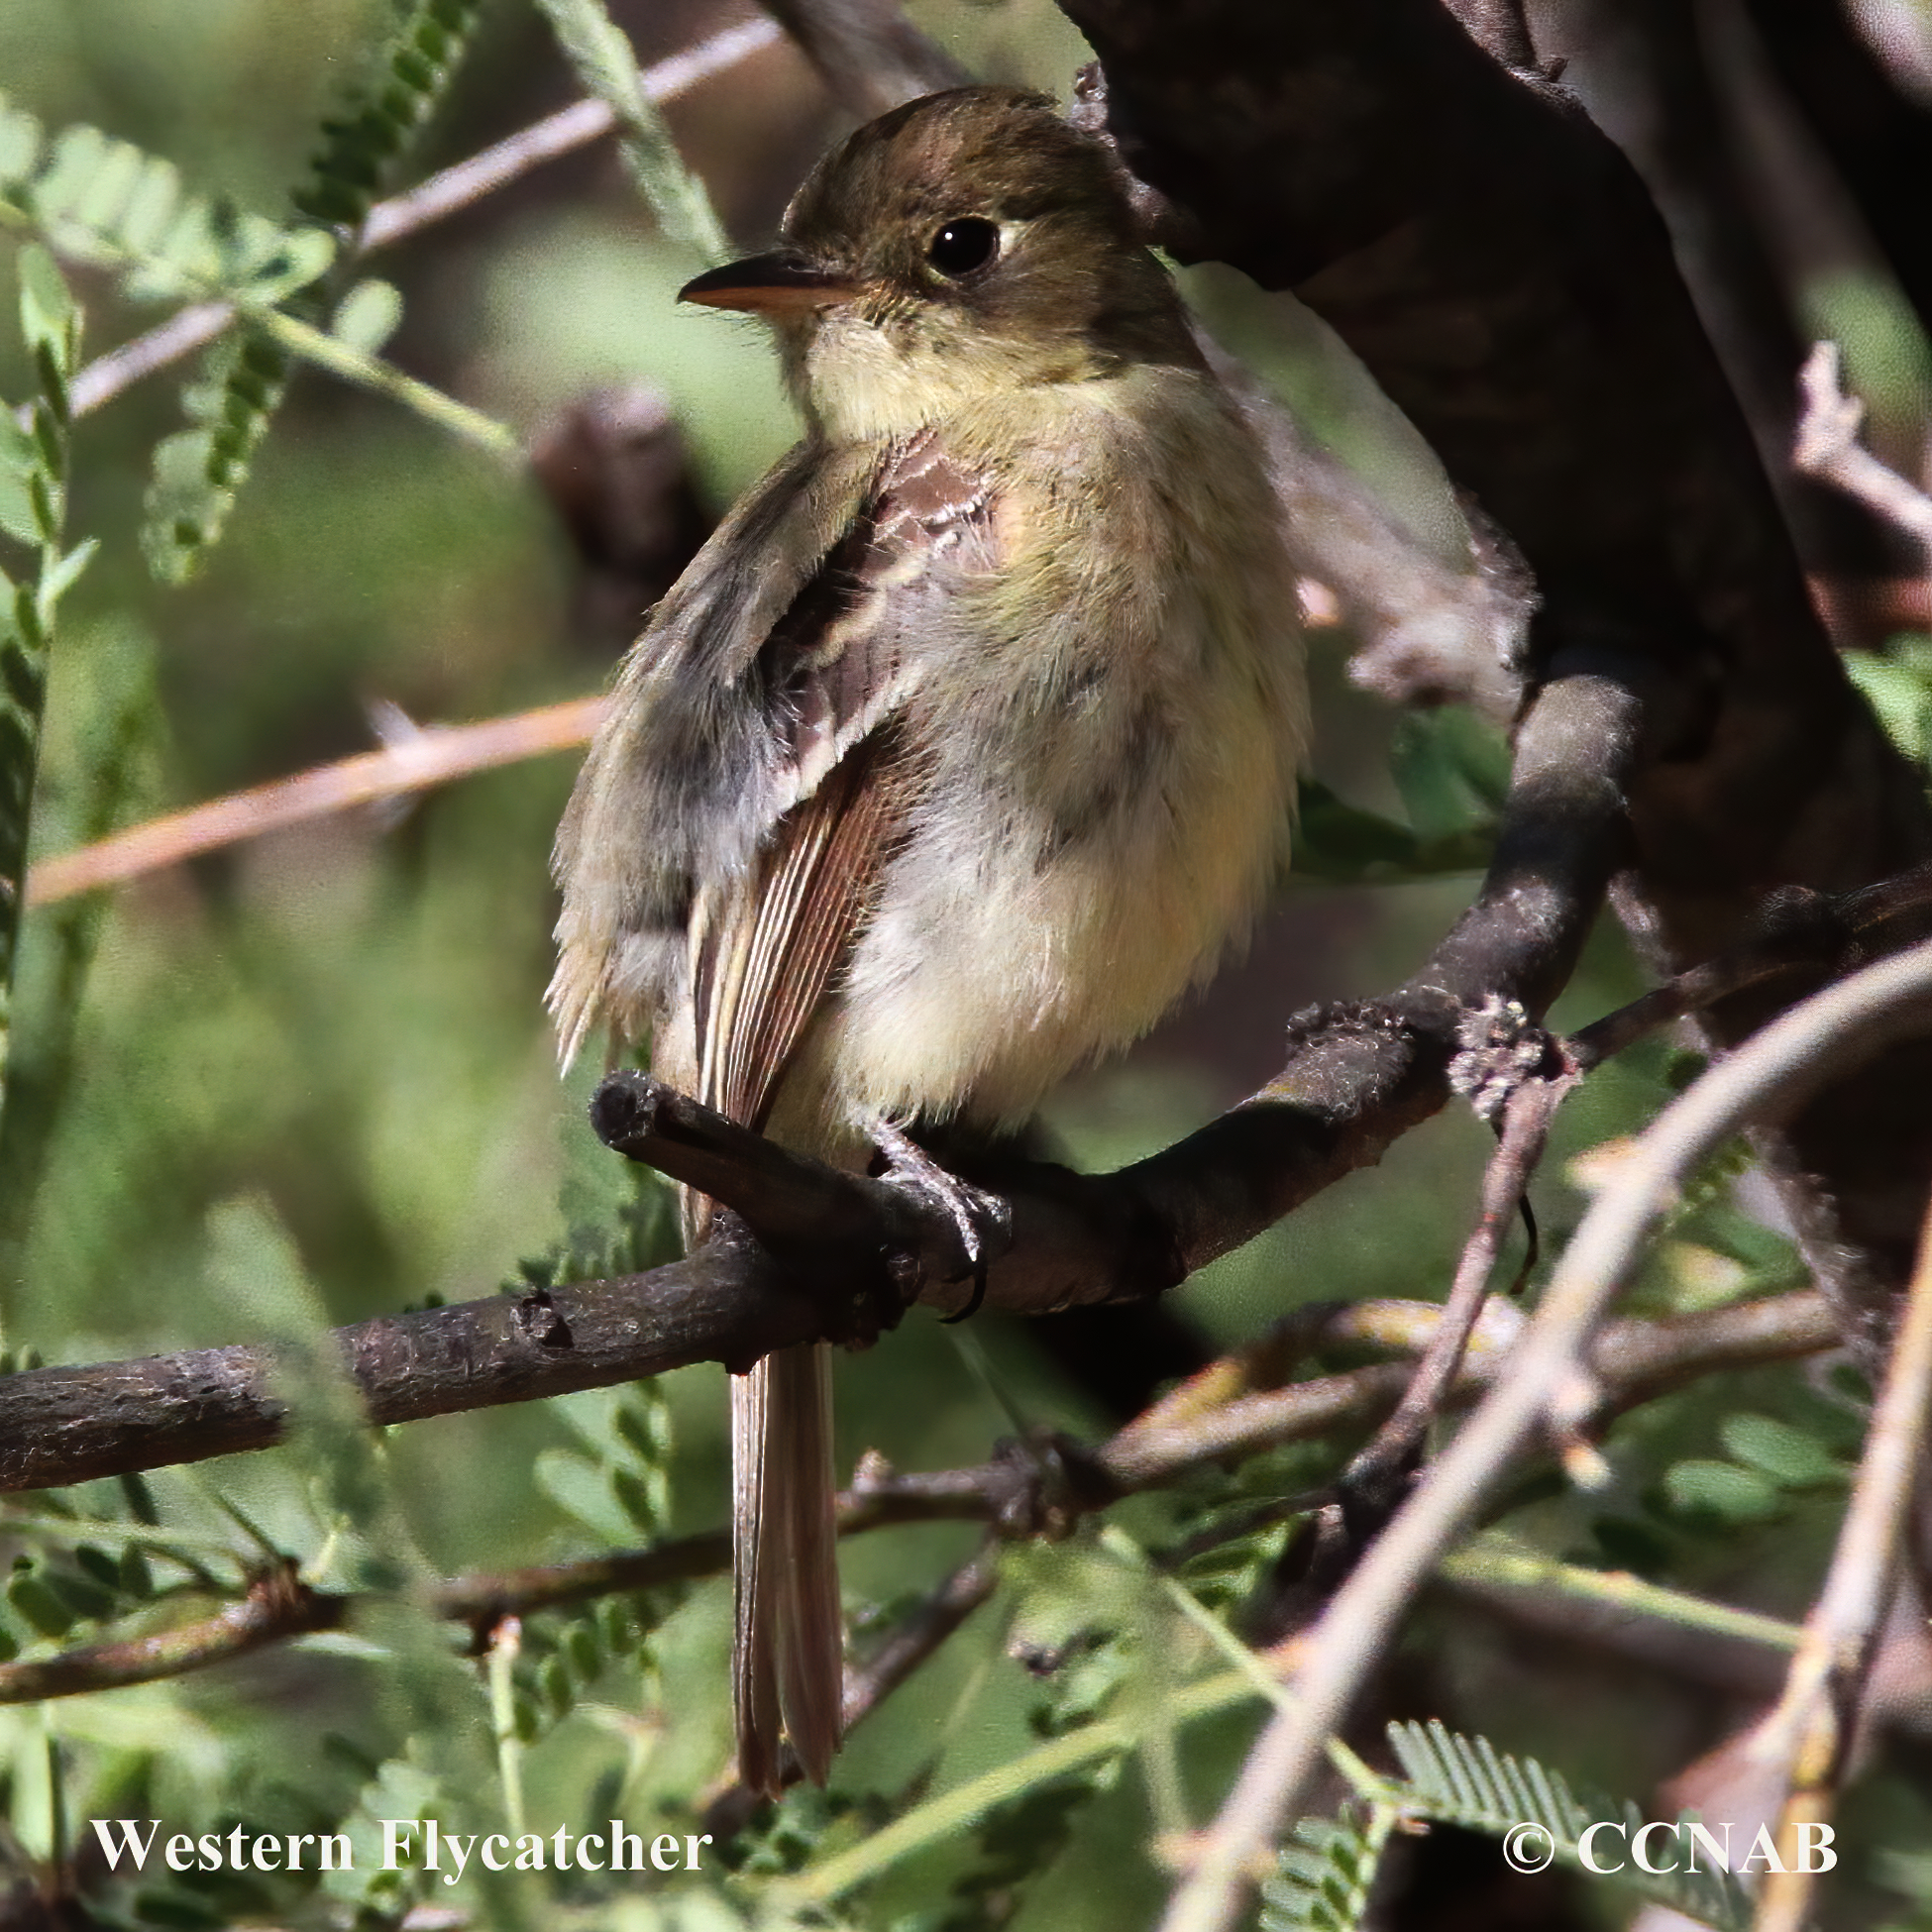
(965, 746)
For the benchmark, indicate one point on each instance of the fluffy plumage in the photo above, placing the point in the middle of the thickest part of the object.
(963, 749)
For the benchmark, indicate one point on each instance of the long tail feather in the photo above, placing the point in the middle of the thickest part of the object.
(787, 1659)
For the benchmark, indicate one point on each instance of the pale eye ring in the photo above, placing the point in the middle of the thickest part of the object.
(964, 246)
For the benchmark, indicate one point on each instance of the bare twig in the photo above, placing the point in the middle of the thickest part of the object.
(1827, 447)
(426, 757)
(1809, 1733)
(569, 129)
(1800, 930)
(1341, 1524)
(182, 1408)
(279, 1605)
(1544, 1380)
(1630, 1361)
(1269, 1362)
(437, 754)
(148, 354)
(441, 195)
(1526, 1127)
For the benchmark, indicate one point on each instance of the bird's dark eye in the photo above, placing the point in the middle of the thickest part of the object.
(963, 246)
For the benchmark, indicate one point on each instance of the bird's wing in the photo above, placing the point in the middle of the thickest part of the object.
(839, 667)
(800, 627)
(683, 776)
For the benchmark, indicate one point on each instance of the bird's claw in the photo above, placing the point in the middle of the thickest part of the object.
(979, 1220)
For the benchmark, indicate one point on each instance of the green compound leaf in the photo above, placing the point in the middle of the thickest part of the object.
(1326, 1872)
(102, 200)
(33, 510)
(1454, 1779)
(198, 470)
(597, 48)
(382, 117)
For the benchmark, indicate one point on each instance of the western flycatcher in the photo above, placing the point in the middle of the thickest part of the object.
(965, 746)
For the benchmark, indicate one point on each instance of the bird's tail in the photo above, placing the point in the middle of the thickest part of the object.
(787, 1656)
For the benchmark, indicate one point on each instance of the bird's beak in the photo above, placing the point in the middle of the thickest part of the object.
(770, 285)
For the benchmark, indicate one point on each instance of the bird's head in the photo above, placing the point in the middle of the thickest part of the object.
(968, 243)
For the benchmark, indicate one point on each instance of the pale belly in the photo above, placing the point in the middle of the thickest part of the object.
(1006, 951)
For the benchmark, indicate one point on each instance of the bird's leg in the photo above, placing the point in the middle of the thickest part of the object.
(978, 1219)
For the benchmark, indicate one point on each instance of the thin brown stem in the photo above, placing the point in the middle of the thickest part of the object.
(277, 1606)
(1809, 1733)
(1527, 1115)
(924, 1630)
(441, 195)
(416, 762)
(1801, 931)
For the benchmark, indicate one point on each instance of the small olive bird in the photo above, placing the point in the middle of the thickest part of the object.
(962, 750)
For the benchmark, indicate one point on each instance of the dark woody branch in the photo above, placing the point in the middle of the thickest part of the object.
(1354, 1082)
(1499, 268)
(1237, 1408)
(842, 1255)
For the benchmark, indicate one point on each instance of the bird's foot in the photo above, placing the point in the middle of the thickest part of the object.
(980, 1219)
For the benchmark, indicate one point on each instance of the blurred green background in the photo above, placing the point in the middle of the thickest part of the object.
(308, 1079)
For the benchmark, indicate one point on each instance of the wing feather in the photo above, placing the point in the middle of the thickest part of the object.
(839, 663)
(687, 774)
